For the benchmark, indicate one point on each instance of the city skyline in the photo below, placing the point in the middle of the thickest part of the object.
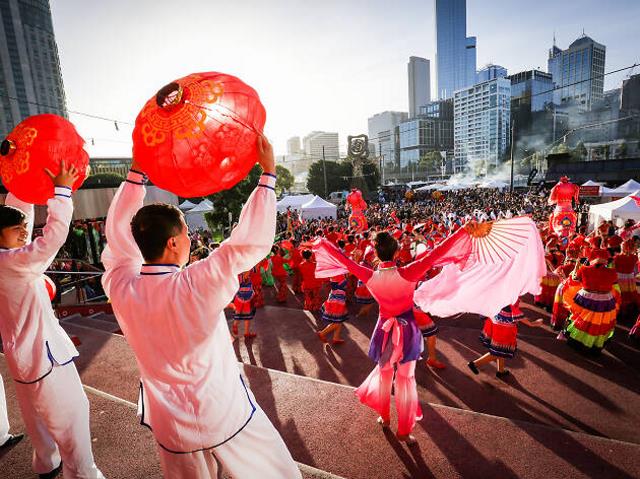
(308, 79)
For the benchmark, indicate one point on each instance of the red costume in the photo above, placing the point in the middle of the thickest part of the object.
(563, 219)
(310, 285)
(280, 275)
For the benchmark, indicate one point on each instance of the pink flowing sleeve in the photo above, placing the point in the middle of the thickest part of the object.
(504, 265)
(455, 249)
(330, 261)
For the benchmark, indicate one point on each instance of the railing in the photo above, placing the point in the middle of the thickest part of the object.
(85, 284)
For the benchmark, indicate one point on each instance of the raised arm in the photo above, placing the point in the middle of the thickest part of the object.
(454, 249)
(121, 249)
(330, 261)
(36, 256)
(216, 277)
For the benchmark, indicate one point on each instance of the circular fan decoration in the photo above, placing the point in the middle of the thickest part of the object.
(198, 135)
(36, 143)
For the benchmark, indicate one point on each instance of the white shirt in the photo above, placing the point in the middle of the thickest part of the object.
(192, 394)
(32, 337)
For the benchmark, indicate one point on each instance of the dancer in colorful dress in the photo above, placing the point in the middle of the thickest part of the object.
(256, 282)
(551, 280)
(334, 310)
(499, 336)
(279, 273)
(244, 307)
(362, 294)
(429, 330)
(594, 307)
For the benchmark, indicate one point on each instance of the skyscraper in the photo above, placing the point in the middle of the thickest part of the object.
(418, 70)
(531, 89)
(578, 72)
(455, 52)
(30, 78)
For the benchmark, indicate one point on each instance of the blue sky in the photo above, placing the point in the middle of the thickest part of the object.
(317, 65)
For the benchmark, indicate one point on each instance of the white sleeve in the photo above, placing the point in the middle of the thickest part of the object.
(36, 256)
(215, 278)
(121, 249)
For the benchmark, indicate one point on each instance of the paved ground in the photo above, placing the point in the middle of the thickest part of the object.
(560, 415)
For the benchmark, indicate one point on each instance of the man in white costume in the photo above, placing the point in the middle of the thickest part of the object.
(6, 439)
(39, 353)
(192, 395)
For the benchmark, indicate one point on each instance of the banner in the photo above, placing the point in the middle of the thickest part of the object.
(587, 191)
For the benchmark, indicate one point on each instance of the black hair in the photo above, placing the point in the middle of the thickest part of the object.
(10, 216)
(341, 244)
(274, 249)
(152, 226)
(306, 253)
(386, 246)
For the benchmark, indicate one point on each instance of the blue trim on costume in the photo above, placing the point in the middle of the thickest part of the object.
(269, 174)
(52, 360)
(135, 182)
(64, 196)
(136, 171)
(270, 187)
(155, 274)
(253, 410)
(66, 187)
(161, 264)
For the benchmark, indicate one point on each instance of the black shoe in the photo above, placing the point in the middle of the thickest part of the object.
(13, 439)
(50, 475)
(502, 374)
(473, 367)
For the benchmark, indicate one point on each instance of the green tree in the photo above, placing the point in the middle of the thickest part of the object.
(231, 200)
(284, 182)
(432, 161)
(579, 152)
(336, 173)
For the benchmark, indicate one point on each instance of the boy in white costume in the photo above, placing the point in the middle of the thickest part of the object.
(192, 395)
(39, 353)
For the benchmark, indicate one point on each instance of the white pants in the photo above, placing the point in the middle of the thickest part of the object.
(256, 452)
(55, 411)
(4, 417)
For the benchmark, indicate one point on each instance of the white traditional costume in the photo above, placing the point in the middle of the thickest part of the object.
(39, 353)
(192, 394)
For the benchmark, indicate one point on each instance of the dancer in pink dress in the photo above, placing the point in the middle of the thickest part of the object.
(397, 342)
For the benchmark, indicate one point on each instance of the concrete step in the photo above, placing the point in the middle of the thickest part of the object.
(93, 322)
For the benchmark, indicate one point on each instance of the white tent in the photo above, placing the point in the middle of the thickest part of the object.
(186, 205)
(294, 202)
(623, 190)
(195, 216)
(318, 208)
(592, 183)
(455, 187)
(619, 211)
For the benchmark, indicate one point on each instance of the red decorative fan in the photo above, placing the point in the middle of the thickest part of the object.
(495, 242)
(40, 142)
(198, 135)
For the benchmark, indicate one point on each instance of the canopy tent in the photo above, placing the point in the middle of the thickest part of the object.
(318, 208)
(619, 211)
(623, 190)
(592, 183)
(195, 216)
(186, 205)
(294, 202)
(455, 187)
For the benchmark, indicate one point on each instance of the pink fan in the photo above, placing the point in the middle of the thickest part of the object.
(498, 241)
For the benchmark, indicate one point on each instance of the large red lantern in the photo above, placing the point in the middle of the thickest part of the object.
(36, 143)
(198, 135)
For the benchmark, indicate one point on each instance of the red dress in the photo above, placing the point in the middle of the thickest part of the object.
(280, 275)
(310, 285)
(626, 265)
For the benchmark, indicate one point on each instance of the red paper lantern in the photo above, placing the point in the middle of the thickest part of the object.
(198, 135)
(36, 143)
(50, 286)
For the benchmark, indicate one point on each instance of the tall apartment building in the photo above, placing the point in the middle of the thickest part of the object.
(30, 77)
(578, 73)
(418, 70)
(314, 142)
(455, 52)
(481, 125)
